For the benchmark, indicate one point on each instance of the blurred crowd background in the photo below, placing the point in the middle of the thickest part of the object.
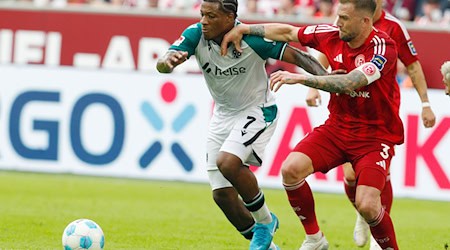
(422, 12)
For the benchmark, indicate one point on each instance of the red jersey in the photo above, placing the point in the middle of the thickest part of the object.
(370, 112)
(397, 31)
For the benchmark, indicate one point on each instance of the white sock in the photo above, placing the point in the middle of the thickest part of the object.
(316, 237)
(262, 215)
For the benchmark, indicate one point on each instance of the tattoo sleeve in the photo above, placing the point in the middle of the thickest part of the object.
(337, 83)
(308, 62)
(257, 30)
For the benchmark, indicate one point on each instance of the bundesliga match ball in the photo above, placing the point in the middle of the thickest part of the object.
(83, 234)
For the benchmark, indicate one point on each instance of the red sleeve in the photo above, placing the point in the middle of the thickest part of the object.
(311, 35)
(406, 51)
(385, 56)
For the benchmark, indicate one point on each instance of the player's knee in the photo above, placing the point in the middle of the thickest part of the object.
(228, 164)
(223, 196)
(292, 171)
(224, 168)
(368, 208)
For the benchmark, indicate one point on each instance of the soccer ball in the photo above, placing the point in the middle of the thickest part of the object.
(83, 234)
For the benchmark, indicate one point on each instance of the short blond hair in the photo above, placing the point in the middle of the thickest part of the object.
(367, 5)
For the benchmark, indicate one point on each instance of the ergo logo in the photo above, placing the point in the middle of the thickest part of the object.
(52, 128)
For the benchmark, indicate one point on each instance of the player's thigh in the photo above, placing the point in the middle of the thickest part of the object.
(218, 131)
(373, 167)
(323, 149)
(217, 180)
(250, 135)
(349, 173)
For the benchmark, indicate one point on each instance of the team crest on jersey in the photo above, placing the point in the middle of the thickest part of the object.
(179, 41)
(412, 48)
(379, 61)
(369, 69)
(360, 60)
(236, 54)
(309, 30)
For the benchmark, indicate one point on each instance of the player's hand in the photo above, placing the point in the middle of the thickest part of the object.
(313, 98)
(284, 77)
(233, 36)
(176, 58)
(428, 117)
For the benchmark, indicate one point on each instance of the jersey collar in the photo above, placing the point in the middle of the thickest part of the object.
(369, 38)
(383, 15)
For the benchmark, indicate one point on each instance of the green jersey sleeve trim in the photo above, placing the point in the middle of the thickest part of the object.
(188, 40)
(266, 48)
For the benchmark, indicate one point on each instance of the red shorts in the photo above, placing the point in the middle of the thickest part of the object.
(328, 149)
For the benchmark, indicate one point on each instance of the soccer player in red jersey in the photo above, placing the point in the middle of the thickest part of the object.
(363, 126)
(408, 56)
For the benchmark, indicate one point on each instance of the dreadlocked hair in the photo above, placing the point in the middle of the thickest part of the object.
(228, 6)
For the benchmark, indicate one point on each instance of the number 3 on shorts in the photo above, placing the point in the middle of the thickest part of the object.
(385, 152)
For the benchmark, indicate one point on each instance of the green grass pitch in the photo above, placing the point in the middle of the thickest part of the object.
(143, 214)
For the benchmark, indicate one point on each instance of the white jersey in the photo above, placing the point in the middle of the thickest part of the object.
(236, 81)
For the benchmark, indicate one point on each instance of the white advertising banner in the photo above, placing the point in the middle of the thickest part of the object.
(154, 126)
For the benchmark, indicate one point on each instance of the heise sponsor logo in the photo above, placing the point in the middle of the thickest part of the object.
(168, 94)
(232, 71)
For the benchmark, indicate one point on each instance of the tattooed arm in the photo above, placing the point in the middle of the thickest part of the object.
(303, 60)
(273, 31)
(332, 83)
(313, 98)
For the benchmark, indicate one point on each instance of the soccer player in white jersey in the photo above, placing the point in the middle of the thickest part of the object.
(245, 114)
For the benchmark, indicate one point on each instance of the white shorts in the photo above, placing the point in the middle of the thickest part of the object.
(245, 136)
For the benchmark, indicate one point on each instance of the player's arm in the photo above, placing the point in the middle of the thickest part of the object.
(273, 31)
(313, 98)
(323, 60)
(303, 60)
(418, 79)
(357, 78)
(181, 49)
(170, 60)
